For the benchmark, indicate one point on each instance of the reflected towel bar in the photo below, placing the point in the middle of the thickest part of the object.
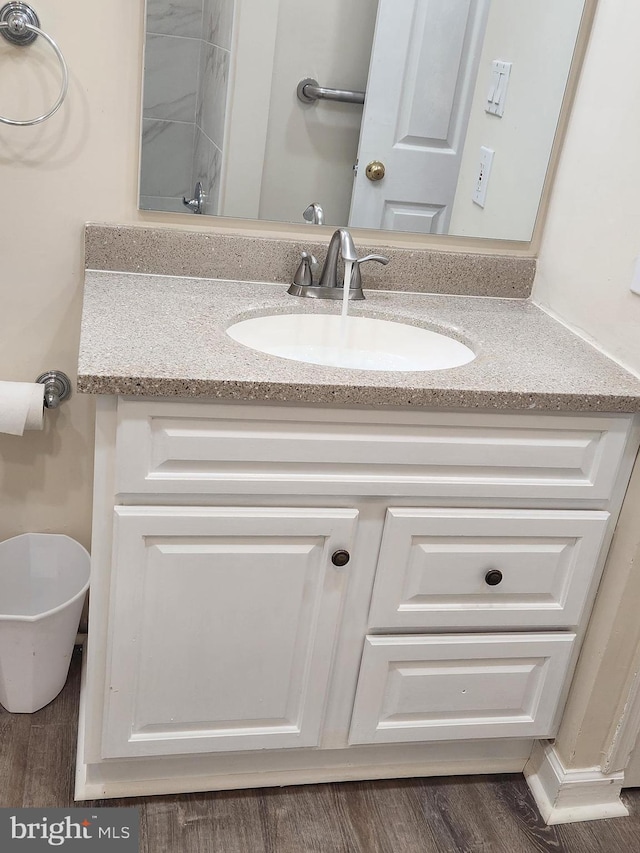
(309, 91)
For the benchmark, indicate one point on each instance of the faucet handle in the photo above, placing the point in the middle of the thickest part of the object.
(381, 259)
(306, 268)
(356, 278)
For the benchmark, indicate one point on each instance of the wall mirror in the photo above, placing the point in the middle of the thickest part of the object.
(436, 116)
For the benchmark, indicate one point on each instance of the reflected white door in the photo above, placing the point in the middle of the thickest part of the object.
(421, 81)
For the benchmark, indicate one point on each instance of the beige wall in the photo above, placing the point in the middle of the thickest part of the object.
(80, 165)
(592, 235)
(591, 239)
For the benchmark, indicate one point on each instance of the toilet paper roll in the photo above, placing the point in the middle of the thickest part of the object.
(21, 407)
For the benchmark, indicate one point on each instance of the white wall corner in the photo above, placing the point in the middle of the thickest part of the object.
(569, 796)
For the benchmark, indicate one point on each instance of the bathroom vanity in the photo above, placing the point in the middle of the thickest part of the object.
(303, 574)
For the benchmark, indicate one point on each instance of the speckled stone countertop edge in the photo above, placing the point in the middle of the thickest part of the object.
(454, 399)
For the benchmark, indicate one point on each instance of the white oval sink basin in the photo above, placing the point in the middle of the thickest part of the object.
(360, 343)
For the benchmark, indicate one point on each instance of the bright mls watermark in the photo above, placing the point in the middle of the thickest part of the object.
(83, 829)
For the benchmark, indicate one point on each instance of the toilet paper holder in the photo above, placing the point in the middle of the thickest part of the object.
(57, 387)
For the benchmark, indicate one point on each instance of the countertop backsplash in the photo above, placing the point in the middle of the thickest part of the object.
(162, 251)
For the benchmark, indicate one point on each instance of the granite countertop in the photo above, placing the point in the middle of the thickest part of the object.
(152, 335)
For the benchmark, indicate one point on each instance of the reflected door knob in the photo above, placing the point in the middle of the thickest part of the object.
(494, 577)
(340, 558)
(376, 170)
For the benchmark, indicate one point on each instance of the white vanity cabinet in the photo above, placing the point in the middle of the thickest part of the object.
(228, 629)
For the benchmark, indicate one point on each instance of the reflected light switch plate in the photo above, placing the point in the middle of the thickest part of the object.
(497, 95)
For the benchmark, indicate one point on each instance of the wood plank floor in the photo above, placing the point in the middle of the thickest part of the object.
(475, 814)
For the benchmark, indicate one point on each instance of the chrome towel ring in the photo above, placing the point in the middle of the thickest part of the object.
(20, 25)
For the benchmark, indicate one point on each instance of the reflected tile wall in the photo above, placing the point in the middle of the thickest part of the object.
(167, 158)
(212, 95)
(171, 77)
(175, 17)
(207, 168)
(211, 110)
(156, 202)
(172, 64)
(218, 22)
(187, 62)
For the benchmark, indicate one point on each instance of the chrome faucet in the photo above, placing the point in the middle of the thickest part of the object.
(329, 286)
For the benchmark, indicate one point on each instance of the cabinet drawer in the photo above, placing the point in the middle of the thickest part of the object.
(435, 565)
(454, 687)
(235, 449)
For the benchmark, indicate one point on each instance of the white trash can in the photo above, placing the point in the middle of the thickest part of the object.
(44, 578)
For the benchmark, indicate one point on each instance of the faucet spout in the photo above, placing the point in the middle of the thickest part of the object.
(347, 246)
(341, 246)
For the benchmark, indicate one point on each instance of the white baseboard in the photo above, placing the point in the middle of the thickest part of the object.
(569, 796)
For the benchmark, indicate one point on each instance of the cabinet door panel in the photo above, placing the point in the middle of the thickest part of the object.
(456, 687)
(222, 628)
(434, 563)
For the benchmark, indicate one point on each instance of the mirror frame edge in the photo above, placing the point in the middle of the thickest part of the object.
(400, 239)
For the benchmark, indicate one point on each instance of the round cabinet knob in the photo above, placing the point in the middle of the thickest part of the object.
(494, 577)
(340, 558)
(376, 170)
